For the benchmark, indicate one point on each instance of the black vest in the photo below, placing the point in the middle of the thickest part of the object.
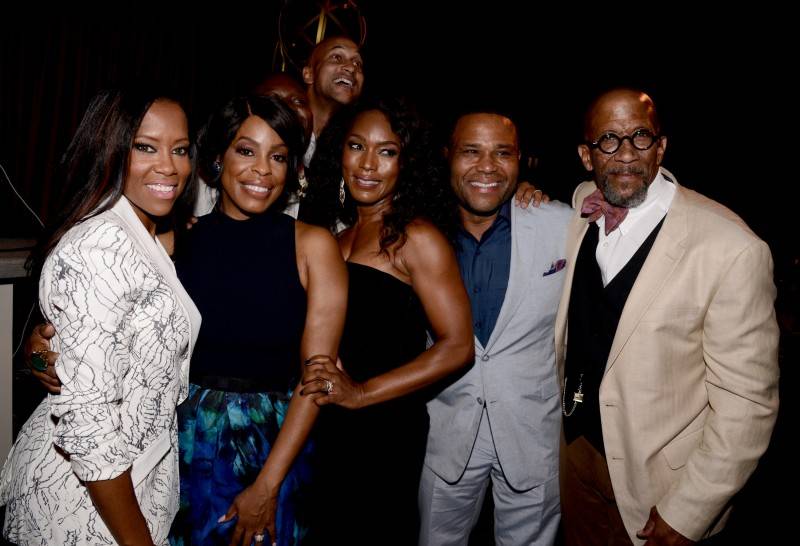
(593, 316)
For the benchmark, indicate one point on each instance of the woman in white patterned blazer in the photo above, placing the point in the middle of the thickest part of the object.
(98, 464)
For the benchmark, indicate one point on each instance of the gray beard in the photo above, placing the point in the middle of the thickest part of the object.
(633, 200)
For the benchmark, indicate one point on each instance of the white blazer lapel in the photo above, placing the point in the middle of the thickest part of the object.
(162, 261)
(668, 248)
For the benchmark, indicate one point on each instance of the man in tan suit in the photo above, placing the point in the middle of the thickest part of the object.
(670, 368)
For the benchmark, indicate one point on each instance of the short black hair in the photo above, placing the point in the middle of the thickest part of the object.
(222, 126)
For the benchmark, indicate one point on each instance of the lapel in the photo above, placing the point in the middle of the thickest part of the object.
(668, 249)
(159, 257)
(523, 249)
(575, 233)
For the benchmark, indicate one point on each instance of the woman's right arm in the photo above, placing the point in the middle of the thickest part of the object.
(324, 276)
(116, 502)
(325, 280)
(429, 261)
(87, 290)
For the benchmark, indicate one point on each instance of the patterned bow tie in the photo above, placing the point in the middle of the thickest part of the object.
(595, 205)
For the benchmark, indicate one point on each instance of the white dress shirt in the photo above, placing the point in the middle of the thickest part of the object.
(618, 247)
(312, 147)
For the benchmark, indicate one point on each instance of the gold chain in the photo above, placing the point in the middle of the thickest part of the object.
(577, 397)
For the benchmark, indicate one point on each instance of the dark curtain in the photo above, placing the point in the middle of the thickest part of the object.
(50, 69)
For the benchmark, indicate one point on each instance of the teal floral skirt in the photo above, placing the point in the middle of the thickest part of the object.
(225, 437)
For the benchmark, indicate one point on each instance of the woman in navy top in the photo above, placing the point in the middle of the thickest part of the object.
(272, 292)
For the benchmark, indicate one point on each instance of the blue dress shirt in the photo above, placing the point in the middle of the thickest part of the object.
(485, 268)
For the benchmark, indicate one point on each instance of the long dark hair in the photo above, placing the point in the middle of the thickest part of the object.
(421, 191)
(93, 170)
(222, 126)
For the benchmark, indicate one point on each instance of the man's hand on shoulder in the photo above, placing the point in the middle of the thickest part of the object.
(528, 194)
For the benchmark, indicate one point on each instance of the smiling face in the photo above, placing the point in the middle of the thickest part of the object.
(159, 163)
(335, 71)
(253, 170)
(484, 162)
(371, 159)
(624, 175)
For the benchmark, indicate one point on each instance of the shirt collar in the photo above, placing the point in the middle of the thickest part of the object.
(505, 210)
(503, 215)
(312, 146)
(659, 197)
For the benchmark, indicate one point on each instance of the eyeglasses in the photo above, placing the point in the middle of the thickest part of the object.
(609, 143)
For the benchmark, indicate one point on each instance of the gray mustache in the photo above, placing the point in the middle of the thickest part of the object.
(627, 170)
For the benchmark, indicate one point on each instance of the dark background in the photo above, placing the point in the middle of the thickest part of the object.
(722, 81)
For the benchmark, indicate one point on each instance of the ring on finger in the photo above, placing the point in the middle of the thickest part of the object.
(39, 360)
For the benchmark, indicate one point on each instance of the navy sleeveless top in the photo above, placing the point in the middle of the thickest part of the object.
(243, 277)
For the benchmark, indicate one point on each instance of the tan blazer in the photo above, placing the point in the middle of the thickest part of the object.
(690, 392)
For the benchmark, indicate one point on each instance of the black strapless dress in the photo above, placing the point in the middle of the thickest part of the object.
(369, 461)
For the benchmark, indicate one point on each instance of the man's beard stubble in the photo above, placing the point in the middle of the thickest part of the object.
(615, 198)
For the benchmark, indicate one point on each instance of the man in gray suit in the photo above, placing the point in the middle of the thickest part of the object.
(501, 419)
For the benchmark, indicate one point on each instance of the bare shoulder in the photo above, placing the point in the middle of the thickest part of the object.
(422, 233)
(425, 244)
(312, 238)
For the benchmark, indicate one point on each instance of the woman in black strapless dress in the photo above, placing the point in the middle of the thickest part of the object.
(404, 282)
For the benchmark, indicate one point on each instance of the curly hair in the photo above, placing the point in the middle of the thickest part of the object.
(421, 190)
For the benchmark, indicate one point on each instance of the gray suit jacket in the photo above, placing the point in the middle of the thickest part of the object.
(515, 374)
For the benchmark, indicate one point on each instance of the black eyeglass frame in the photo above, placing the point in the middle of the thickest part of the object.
(620, 139)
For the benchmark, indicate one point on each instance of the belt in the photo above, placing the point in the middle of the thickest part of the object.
(234, 384)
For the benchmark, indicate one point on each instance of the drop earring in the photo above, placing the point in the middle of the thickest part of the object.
(303, 185)
(341, 192)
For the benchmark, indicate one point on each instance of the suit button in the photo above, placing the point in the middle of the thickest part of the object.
(480, 400)
(485, 358)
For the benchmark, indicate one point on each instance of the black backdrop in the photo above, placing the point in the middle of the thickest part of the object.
(722, 80)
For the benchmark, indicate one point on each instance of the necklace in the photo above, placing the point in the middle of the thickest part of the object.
(577, 397)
